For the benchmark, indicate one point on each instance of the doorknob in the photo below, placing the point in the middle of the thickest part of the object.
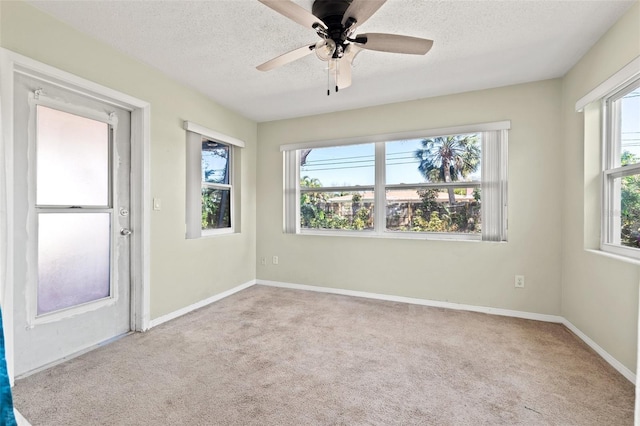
(125, 232)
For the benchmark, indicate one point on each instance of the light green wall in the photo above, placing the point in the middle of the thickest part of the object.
(182, 271)
(456, 271)
(599, 294)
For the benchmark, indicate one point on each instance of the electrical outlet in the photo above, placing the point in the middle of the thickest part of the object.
(275, 260)
(519, 281)
(263, 260)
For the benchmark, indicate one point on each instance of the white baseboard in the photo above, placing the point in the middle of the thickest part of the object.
(628, 374)
(20, 420)
(416, 301)
(175, 314)
(604, 354)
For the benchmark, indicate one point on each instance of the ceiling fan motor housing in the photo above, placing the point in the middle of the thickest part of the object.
(331, 13)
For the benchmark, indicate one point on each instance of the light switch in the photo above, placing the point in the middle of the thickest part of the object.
(157, 204)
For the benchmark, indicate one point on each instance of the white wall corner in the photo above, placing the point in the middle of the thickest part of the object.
(180, 312)
(630, 375)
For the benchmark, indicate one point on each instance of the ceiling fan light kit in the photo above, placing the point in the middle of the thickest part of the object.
(325, 49)
(335, 22)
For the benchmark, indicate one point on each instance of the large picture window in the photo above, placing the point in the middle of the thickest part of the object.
(621, 172)
(446, 183)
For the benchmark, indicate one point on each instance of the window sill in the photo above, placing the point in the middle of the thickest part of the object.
(395, 235)
(615, 256)
(214, 233)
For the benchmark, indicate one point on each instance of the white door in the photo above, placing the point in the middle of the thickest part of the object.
(71, 191)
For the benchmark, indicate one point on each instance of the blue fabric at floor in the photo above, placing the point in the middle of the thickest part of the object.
(6, 401)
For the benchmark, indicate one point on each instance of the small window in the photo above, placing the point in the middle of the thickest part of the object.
(419, 186)
(621, 172)
(216, 185)
(211, 195)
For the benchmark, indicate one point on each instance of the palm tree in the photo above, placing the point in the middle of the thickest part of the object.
(448, 159)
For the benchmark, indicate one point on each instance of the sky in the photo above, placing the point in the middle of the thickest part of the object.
(630, 125)
(354, 164)
(214, 160)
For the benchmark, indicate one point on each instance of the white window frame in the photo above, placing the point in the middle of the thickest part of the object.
(195, 136)
(494, 171)
(612, 170)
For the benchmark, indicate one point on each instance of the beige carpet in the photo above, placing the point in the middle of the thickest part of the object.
(270, 356)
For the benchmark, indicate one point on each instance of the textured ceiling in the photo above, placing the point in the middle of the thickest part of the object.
(214, 46)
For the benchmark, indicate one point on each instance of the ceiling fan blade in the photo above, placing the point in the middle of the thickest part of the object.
(294, 12)
(351, 52)
(343, 76)
(344, 73)
(361, 10)
(394, 43)
(286, 58)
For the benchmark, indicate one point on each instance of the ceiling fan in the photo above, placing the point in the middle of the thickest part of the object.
(336, 21)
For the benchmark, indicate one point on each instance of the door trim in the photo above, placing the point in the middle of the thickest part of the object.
(12, 63)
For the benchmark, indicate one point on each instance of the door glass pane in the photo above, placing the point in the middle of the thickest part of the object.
(72, 159)
(73, 259)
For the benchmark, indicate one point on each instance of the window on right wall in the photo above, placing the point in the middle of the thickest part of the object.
(621, 171)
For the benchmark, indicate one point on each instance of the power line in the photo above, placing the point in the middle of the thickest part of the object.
(372, 156)
(339, 162)
(355, 167)
(336, 168)
(339, 158)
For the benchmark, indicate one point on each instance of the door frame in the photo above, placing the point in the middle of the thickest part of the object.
(12, 63)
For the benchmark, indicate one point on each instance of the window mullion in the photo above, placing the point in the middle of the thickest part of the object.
(216, 185)
(357, 188)
(380, 203)
(622, 171)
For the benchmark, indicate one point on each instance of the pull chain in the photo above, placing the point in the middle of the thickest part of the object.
(329, 78)
(337, 62)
